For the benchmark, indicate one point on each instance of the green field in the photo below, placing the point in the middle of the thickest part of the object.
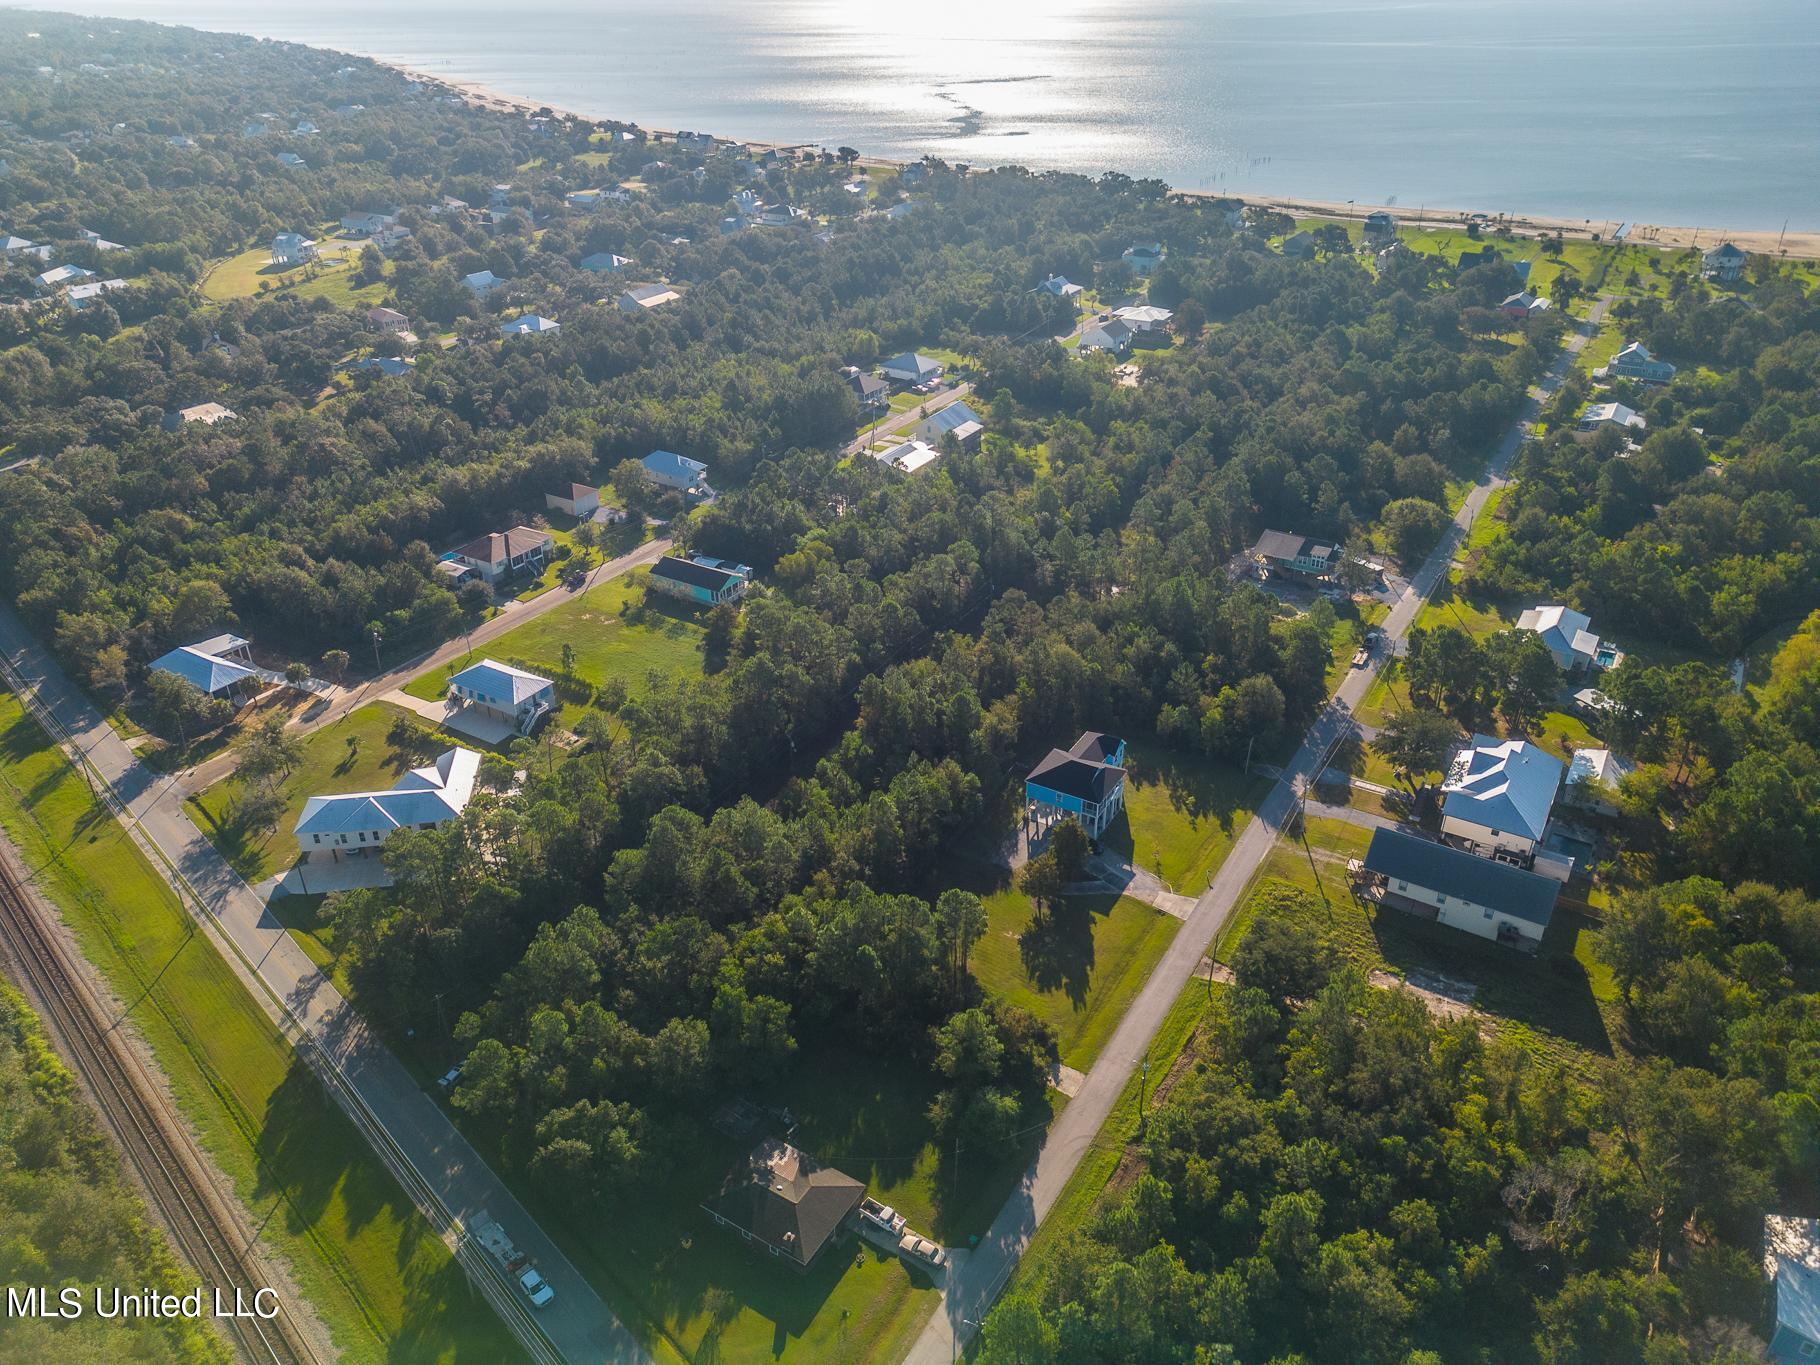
(356, 753)
(615, 632)
(1082, 972)
(1181, 814)
(376, 1273)
(239, 277)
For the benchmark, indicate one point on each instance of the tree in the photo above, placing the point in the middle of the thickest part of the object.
(1283, 954)
(847, 155)
(333, 666)
(1041, 880)
(1523, 674)
(960, 922)
(1069, 847)
(1412, 525)
(1416, 742)
(633, 486)
(474, 598)
(296, 673)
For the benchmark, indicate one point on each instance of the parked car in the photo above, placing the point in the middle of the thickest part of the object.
(536, 1288)
(448, 1078)
(921, 1249)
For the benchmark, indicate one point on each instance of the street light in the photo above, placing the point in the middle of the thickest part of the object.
(954, 1340)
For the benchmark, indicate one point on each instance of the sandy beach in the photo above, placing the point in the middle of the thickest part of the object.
(1796, 241)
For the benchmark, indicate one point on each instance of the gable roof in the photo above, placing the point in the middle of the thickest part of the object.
(1725, 251)
(1436, 867)
(912, 363)
(696, 575)
(422, 796)
(868, 385)
(1563, 630)
(649, 295)
(500, 682)
(908, 456)
(1096, 747)
(788, 1199)
(605, 260)
(528, 325)
(952, 418)
(1287, 545)
(481, 279)
(1506, 784)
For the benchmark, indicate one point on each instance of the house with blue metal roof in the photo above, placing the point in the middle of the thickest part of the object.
(1497, 797)
(1791, 1256)
(1085, 782)
(1488, 899)
(516, 697)
(361, 822)
(670, 470)
(219, 665)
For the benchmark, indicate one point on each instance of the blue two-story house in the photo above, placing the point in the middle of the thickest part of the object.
(1086, 782)
(696, 580)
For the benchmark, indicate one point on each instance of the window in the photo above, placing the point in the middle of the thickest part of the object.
(363, 836)
(1807, 1350)
(1440, 899)
(1488, 914)
(315, 838)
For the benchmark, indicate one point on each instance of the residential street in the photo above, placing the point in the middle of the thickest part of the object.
(975, 1277)
(515, 614)
(578, 1321)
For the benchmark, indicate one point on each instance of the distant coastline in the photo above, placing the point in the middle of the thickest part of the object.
(1797, 243)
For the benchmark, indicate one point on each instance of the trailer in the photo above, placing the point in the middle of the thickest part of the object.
(492, 1237)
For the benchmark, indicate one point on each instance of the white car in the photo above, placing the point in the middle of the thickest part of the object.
(536, 1288)
(921, 1249)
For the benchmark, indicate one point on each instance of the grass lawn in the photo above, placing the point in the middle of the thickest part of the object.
(376, 1273)
(1181, 814)
(354, 754)
(1081, 974)
(239, 277)
(667, 1263)
(1448, 608)
(615, 633)
(1553, 1003)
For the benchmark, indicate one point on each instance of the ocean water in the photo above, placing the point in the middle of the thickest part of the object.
(1683, 112)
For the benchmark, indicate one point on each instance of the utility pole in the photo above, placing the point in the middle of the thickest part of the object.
(1143, 1085)
(377, 639)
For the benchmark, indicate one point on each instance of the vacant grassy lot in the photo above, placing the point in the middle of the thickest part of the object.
(615, 634)
(1553, 1003)
(1079, 971)
(1181, 814)
(374, 1270)
(366, 750)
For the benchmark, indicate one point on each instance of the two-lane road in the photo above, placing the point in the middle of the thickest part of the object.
(975, 1277)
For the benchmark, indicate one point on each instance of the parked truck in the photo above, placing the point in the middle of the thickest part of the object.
(517, 1265)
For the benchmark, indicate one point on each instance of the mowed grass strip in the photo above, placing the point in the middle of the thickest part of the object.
(380, 1279)
(1078, 971)
(1182, 813)
(359, 752)
(614, 631)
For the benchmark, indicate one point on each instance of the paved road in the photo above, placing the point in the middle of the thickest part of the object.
(578, 1321)
(895, 422)
(514, 615)
(975, 1277)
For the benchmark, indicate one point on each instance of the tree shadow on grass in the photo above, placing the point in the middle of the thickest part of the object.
(1548, 992)
(1057, 946)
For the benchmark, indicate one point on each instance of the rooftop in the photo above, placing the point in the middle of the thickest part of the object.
(1506, 784)
(1480, 881)
(422, 796)
(490, 678)
(788, 1199)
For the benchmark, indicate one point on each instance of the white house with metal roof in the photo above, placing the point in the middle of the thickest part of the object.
(530, 325)
(1143, 318)
(907, 456)
(956, 420)
(1593, 778)
(1568, 635)
(1724, 263)
(1498, 796)
(1143, 257)
(1059, 287)
(219, 665)
(642, 298)
(911, 368)
(1114, 335)
(1490, 900)
(292, 248)
(518, 698)
(481, 282)
(1596, 417)
(361, 822)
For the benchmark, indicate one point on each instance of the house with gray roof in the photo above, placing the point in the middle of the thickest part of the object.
(1490, 900)
(530, 325)
(1568, 635)
(605, 262)
(361, 822)
(1597, 417)
(1084, 782)
(1113, 336)
(1299, 246)
(956, 420)
(786, 1203)
(1497, 798)
(514, 696)
(911, 368)
(500, 555)
(292, 248)
(1287, 552)
(1724, 263)
(1636, 363)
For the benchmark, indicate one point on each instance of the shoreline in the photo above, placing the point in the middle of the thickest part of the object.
(1796, 244)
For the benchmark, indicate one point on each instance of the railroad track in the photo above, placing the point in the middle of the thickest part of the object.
(170, 1168)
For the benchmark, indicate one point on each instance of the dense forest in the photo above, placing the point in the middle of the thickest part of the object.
(721, 876)
(68, 1217)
